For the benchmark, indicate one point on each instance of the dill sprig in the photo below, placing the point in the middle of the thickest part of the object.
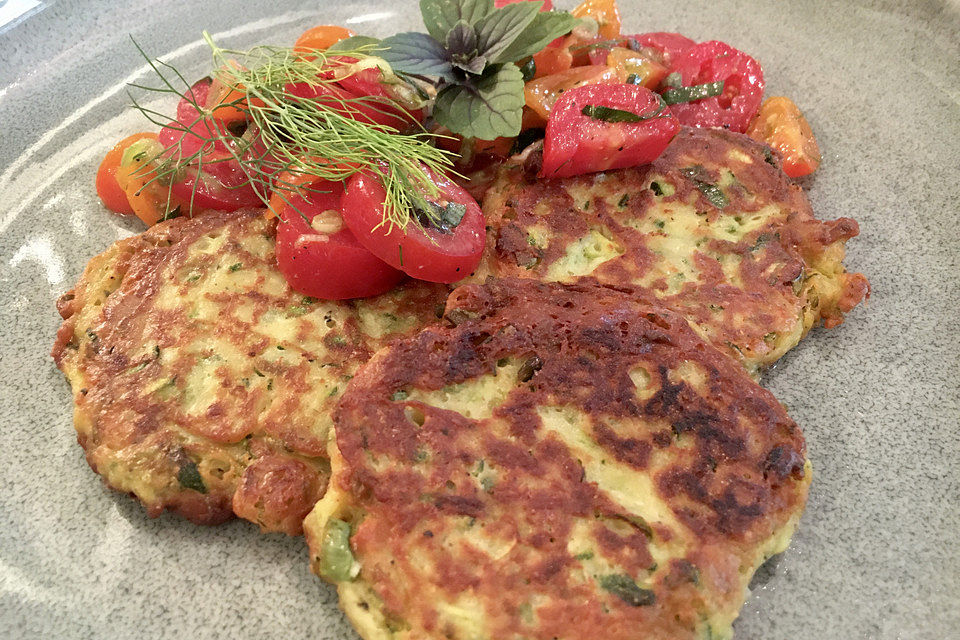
(293, 136)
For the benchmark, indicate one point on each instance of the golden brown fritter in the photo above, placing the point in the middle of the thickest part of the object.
(566, 461)
(202, 383)
(711, 228)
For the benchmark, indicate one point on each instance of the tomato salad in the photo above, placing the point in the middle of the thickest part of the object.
(360, 147)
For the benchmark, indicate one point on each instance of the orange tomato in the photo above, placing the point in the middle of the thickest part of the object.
(150, 200)
(627, 62)
(781, 125)
(111, 194)
(552, 60)
(606, 14)
(227, 103)
(540, 94)
(279, 197)
(321, 37)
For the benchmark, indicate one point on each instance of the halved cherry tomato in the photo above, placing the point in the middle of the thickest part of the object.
(606, 14)
(321, 37)
(636, 67)
(670, 45)
(781, 125)
(214, 180)
(227, 102)
(540, 94)
(426, 253)
(578, 142)
(547, 4)
(112, 196)
(319, 256)
(150, 200)
(552, 60)
(742, 86)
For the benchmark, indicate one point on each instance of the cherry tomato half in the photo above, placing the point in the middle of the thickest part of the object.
(670, 45)
(578, 142)
(541, 94)
(606, 14)
(344, 98)
(742, 86)
(426, 253)
(215, 180)
(110, 192)
(321, 37)
(781, 125)
(323, 258)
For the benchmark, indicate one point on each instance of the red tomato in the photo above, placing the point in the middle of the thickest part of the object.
(425, 253)
(742, 88)
(333, 265)
(215, 179)
(781, 125)
(670, 45)
(578, 143)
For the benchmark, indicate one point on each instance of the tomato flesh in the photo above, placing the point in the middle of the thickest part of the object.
(424, 252)
(111, 193)
(321, 37)
(576, 143)
(541, 94)
(331, 266)
(215, 180)
(781, 125)
(742, 88)
(670, 45)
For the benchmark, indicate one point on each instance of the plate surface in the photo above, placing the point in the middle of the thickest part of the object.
(877, 553)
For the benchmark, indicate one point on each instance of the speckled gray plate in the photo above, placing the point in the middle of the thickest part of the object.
(878, 552)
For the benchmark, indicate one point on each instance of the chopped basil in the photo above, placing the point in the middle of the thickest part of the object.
(624, 199)
(399, 396)
(586, 555)
(655, 187)
(696, 92)
(626, 589)
(189, 477)
(336, 558)
(529, 70)
(633, 79)
(712, 192)
(611, 114)
(443, 218)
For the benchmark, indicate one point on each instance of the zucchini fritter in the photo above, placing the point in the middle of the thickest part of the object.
(202, 383)
(711, 228)
(566, 461)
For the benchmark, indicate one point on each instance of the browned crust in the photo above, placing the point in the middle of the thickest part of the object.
(258, 449)
(721, 453)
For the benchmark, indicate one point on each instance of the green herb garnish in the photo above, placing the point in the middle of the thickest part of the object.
(189, 477)
(471, 48)
(297, 136)
(626, 589)
(611, 114)
(696, 92)
(712, 192)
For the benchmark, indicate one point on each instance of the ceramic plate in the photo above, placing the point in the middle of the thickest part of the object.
(877, 554)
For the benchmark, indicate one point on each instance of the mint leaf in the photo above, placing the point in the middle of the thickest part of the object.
(355, 42)
(417, 53)
(489, 107)
(440, 16)
(545, 27)
(498, 30)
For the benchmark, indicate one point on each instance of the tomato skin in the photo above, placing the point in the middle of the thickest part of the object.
(329, 266)
(781, 125)
(333, 96)
(541, 94)
(321, 37)
(424, 253)
(111, 194)
(670, 45)
(606, 14)
(216, 180)
(742, 91)
(576, 143)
